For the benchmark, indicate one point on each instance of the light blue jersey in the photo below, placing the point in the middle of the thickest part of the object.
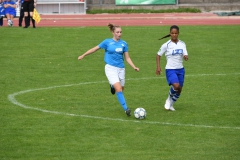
(114, 51)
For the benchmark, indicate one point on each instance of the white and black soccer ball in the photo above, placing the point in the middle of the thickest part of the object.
(140, 113)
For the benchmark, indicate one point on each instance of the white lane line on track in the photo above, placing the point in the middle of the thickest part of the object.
(12, 99)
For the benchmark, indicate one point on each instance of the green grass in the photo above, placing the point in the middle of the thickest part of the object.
(178, 10)
(70, 113)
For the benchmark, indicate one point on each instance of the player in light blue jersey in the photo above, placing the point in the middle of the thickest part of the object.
(175, 51)
(115, 51)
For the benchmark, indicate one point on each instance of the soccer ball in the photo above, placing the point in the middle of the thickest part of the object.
(140, 113)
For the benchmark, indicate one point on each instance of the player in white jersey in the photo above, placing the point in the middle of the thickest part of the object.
(115, 52)
(175, 51)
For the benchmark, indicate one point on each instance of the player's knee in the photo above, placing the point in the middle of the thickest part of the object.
(177, 87)
(118, 87)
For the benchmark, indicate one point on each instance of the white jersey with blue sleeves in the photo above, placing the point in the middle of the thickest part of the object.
(174, 53)
(114, 51)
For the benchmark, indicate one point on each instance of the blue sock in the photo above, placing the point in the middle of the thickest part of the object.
(172, 92)
(121, 100)
(175, 97)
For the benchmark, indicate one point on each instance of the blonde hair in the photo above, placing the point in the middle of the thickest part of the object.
(112, 27)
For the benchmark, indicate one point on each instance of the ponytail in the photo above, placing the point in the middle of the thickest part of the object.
(112, 27)
(172, 27)
(165, 37)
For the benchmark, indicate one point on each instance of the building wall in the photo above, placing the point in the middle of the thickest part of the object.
(61, 7)
(204, 5)
(111, 2)
(206, 1)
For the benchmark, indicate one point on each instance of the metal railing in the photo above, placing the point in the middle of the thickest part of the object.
(101, 2)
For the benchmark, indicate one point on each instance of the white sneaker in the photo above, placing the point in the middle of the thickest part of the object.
(167, 104)
(9, 23)
(171, 108)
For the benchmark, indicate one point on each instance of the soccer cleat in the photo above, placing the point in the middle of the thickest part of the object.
(171, 108)
(112, 89)
(9, 23)
(128, 112)
(167, 104)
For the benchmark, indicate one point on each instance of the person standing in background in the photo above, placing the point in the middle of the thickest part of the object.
(2, 12)
(28, 7)
(20, 4)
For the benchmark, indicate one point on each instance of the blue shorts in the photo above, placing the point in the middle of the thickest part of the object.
(175, 76)
(11, 12)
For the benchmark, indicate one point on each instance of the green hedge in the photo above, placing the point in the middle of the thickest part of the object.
(179, 10)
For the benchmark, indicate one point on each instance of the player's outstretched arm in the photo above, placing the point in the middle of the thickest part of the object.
(90, 51)
(129, 61)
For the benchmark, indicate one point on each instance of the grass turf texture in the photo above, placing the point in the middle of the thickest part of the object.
(205, 125)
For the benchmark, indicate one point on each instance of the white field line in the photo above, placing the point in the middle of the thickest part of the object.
(12, 99)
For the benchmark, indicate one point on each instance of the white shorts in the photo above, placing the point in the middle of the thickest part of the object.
(115, 74)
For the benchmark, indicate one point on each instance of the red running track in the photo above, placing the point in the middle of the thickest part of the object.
(159, 19)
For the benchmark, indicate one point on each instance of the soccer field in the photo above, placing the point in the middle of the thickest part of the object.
(53, 106)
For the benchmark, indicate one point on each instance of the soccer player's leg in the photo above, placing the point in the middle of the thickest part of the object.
(119, 90)
(117, 81)
(173, 81)
(121, 98)
(178, 87)
(111, 74)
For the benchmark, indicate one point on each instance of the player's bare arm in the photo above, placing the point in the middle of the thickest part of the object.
(90, 51)
(158, 69)
(129, 61)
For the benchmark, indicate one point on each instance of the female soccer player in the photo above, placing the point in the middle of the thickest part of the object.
(175, 51)
(115, 51)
